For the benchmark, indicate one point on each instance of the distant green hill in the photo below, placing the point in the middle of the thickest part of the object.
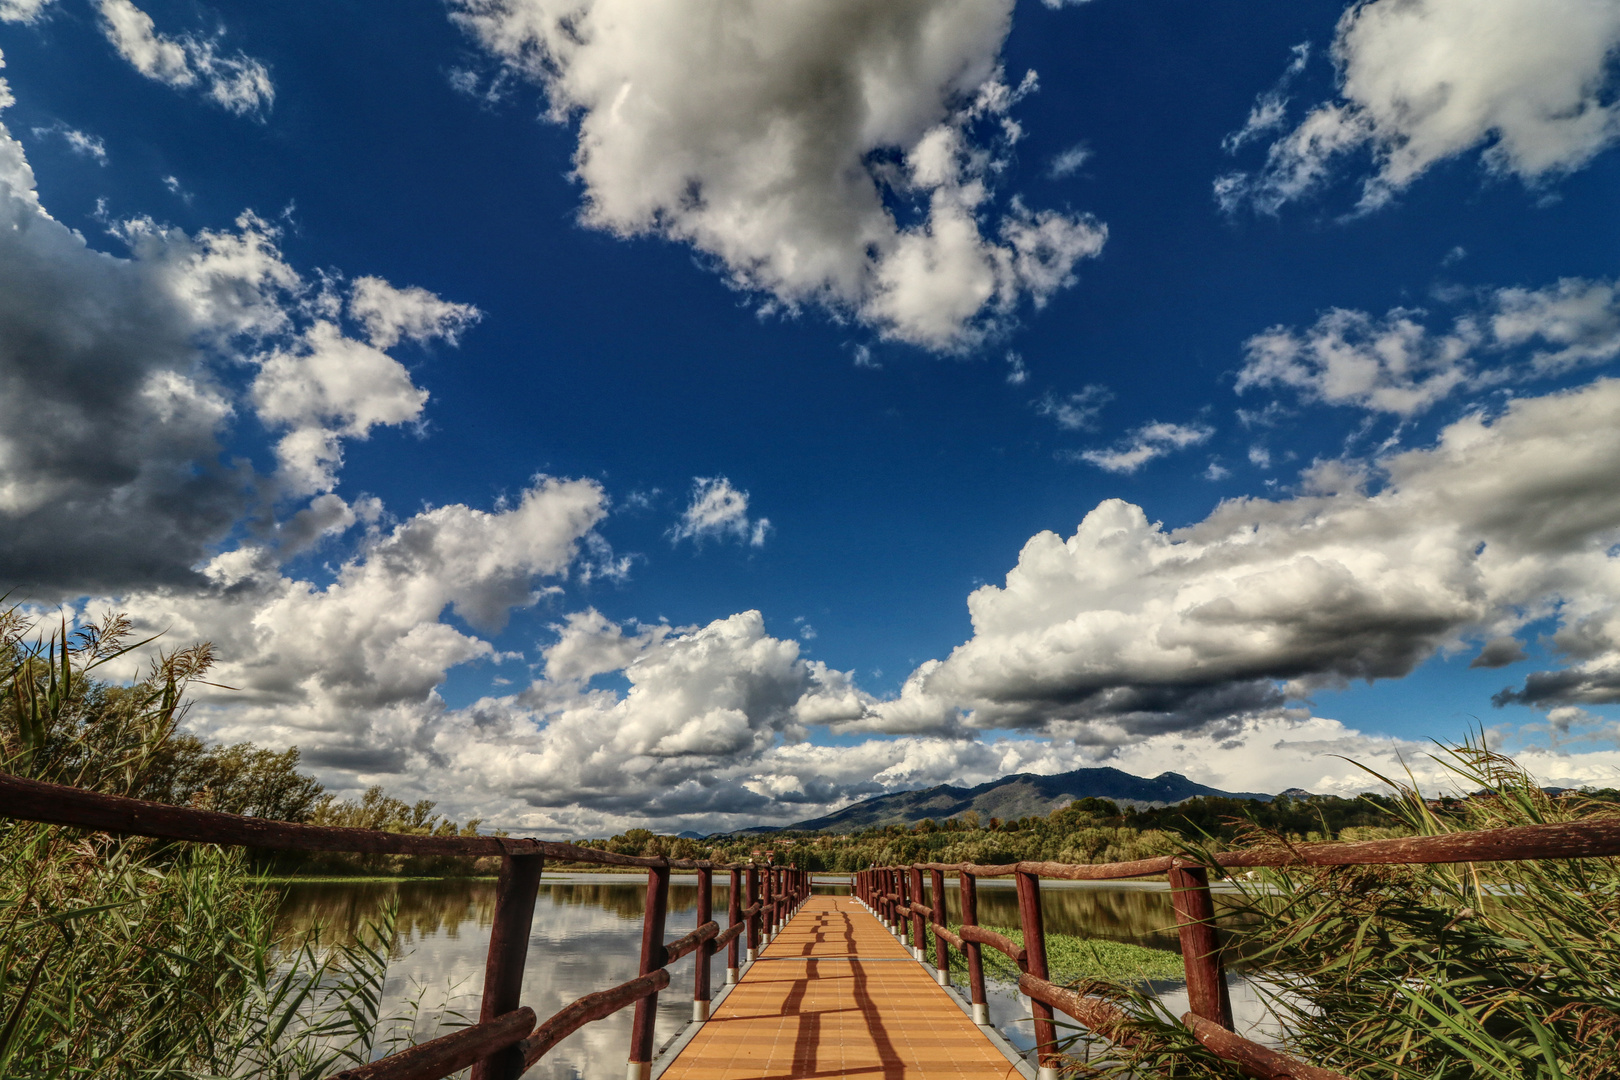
(1016, 796)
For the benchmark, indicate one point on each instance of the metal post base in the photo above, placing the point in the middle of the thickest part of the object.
(916, 954)
(981, 1015)
(700, 1011)
(731, 976)
(642, 1070)
(942, 977)
(751, 956)
(1046, 1072)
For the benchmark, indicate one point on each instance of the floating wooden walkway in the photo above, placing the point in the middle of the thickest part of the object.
(836, 995)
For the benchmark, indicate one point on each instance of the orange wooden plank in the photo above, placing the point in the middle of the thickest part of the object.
(836, 995)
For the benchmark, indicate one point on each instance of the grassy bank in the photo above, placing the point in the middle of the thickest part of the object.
(1070, 958)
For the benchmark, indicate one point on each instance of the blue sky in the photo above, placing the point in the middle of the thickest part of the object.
(823, 312)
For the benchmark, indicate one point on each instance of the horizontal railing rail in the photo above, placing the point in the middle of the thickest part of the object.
(728, 935)
(505, 1041)
(55, 804)
(1110, 1021)
(1251, 1057)
(448, 1053)
(681, 946)
(1002, 944)
(895, 895)
(591, 1007)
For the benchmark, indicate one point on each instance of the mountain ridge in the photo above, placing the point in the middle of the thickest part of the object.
(1013, 796)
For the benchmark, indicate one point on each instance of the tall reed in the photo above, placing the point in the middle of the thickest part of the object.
(1500, 971)
(132, 958)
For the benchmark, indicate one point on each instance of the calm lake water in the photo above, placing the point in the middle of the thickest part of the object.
(587, 936)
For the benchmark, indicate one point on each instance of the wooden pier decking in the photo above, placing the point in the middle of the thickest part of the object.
(836, 995)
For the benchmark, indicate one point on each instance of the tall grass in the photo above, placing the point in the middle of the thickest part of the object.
(1502, 971)
(132, 958)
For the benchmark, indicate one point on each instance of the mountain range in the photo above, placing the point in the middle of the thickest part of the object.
(1015, 796)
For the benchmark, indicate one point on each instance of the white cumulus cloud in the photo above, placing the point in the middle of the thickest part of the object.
(349, 671)
(1152, 440)
(718, 510)
(1125, 628)
(1398, 365)
(389, 313)
(238, 83)
(23, 11)
(119, 391)
(1077, 411)
(1422, 81)
(786, 138)
(81, 143)
(325, 388)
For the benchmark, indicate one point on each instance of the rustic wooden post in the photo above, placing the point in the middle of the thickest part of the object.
(733, 917)
(942, 956)
(1207, 995)
(753, 918)
(767, 907)
(918, 937)
(888, 901)
(508, 949)
(652, 958)
(705, 950)
(901, 902)
(975, 961)
(897, 884)
(1029, 915)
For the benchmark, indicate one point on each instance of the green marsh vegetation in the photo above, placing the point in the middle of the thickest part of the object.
(1069, 958)
(128, 957)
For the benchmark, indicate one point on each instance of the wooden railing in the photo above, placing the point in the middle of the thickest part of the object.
(506, 1040)
(895, 895)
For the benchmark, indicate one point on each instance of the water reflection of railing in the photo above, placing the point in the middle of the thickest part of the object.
(506, 1041)
(895, 894)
